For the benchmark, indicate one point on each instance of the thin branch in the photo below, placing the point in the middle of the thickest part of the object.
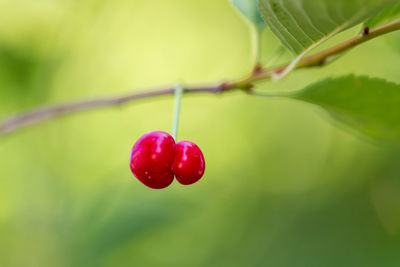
(321, 58)
(33, 116)
(17, 121)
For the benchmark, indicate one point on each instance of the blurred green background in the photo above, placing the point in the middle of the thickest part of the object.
(283, 185)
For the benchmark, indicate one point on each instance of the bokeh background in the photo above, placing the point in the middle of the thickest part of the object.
(284, 186)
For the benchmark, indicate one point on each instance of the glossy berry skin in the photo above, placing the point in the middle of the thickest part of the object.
(189, 163)
(151, 159)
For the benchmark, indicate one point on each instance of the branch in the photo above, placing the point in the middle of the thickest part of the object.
(321, 58)
(17, 121)
(33, 116)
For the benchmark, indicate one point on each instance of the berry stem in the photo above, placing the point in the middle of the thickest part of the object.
(178, 97)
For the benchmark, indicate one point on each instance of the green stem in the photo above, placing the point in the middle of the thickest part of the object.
(178, 97)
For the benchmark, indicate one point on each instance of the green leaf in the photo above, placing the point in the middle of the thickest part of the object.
(303, 24)
(369, 105)
(392, 13)
(249, 9)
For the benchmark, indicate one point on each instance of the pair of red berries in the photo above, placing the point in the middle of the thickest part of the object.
(156, 159)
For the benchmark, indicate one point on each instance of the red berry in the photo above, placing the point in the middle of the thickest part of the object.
(189, 164)
(151, 159)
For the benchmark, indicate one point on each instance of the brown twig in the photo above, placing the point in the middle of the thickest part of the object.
(17, 121)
